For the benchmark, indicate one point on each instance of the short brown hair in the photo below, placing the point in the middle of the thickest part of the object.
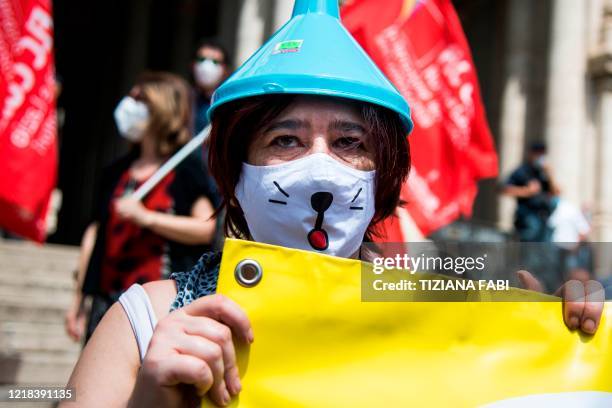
(168, 99)
(236, 123)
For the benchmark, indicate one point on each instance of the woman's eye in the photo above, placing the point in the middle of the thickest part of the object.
(286, 141)
(348, 143)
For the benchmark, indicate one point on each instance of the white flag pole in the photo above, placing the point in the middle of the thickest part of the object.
(171, 163)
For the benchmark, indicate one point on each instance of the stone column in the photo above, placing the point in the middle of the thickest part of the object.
(601, 72)
(603, 210)
(282, 12)
(566, 98)
(513, 115)
(251, 29)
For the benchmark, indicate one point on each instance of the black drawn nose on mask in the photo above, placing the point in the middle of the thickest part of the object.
(321, 201)
(317, 237)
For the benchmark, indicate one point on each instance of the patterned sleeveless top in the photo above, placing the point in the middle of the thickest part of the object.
(200, 281)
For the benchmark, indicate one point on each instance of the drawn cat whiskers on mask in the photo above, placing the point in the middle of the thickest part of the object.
(353, 200)
(283, 192)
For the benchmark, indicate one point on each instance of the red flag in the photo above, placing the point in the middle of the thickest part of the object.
(421, 47)
(28, 142)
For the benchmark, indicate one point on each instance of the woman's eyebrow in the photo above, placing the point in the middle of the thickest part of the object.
(288, 124)
(346, 126)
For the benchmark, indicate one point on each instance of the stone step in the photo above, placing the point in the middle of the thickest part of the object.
(58, 251)
(36, 294)
(37, 279)
(58, 254)
(17, 308)
(22, 267)
(27, 405)
(25, 337)
(36, 288)
(18, 313)
(19, 257)
(4, 394)
(39, 368)
(35, 298)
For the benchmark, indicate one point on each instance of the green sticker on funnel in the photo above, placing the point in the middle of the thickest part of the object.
(285, 47)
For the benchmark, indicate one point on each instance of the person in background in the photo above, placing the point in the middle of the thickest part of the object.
(127, 240)
(570, 231)
(533, 187)
(210, 67)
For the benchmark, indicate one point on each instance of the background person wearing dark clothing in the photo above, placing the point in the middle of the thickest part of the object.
(536, 193)
(130, 241)
(534, 188)
(210, 67)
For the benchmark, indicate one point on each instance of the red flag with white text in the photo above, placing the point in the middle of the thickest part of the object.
(422, 49)
(28, 136)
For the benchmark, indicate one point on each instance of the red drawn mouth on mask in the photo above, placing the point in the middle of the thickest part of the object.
(317, 238)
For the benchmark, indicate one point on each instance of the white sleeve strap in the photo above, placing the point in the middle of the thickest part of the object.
(141, 315)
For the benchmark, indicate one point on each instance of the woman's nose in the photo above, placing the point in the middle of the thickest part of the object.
(320, 145)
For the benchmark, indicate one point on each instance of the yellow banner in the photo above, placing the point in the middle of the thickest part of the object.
(318, 345)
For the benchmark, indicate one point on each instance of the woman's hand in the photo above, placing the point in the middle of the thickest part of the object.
(133, 210)
(74, 319)
(583, 302)
(193, 345)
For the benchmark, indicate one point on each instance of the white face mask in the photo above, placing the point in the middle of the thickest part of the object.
(207, 73)
(541, 161)
(132, 118)
(313, 203)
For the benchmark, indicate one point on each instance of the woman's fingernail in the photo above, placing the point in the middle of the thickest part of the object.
(588, 326)
(226, 397)
(237, 385)
(250, 335)
(574, 322)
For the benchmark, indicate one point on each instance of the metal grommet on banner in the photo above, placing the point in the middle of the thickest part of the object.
(248, 273)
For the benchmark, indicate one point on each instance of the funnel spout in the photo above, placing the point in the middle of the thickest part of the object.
(329, 7)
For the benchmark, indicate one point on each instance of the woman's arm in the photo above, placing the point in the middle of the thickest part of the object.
(191, 346)
(106, 372)
(107, 369)
(192, 354)
(75, 317)
(199, 228)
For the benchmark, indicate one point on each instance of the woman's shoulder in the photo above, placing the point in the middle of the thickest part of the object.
(201, 280)
(161, 294)
(184, 287)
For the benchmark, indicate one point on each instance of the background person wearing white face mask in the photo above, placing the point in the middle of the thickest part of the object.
(130, 241)
(210, 67)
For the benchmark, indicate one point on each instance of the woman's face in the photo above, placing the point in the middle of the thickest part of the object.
(315, 125)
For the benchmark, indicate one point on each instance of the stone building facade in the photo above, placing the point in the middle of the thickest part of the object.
(545, 69)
